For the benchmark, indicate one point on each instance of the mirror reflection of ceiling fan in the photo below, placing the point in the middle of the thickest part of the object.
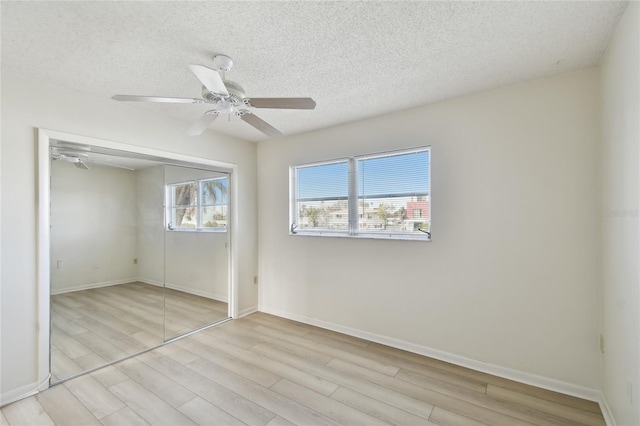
(80, 160)
(226, 96)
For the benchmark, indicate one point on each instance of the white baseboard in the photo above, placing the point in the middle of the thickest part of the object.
(150, 281)
(247, 311)
(606, 410)
(91, 286)
(18, 393)
(484, 367)
(207, 294)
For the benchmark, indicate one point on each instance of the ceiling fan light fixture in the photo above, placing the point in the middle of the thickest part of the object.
(224, 109)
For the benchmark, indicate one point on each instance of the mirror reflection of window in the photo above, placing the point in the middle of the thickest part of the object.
(184, 205)
(199, 205)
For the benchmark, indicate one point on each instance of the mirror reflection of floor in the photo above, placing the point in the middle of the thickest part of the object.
(90, 328)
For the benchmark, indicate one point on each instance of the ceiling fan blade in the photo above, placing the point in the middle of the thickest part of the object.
(282, 103)
(136, 98)
(260, 124)
(211, 79)
(203, 123)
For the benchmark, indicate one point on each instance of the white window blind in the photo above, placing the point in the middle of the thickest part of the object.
(322, 193)
(389, 187)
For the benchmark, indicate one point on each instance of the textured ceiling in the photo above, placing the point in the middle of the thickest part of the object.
(356, 59)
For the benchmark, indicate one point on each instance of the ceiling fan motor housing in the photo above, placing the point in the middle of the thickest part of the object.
(236, 94)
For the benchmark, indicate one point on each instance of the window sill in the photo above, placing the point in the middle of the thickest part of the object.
(206, 231)
(381, 236)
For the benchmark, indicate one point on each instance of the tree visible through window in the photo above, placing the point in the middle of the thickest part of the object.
(382, 195)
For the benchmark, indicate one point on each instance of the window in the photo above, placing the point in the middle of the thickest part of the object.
(199, 205)
(322, 197)
(381, 196)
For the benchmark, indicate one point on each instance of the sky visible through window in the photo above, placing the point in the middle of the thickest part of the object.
(323, 181)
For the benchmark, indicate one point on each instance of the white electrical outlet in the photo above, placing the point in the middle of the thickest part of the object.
(59, 265)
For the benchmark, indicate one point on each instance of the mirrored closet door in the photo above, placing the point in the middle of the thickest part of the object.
(139, 254)
(196, 255)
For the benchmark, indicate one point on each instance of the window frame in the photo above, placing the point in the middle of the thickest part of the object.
(353, 199)
(293, 213)
(171, 206)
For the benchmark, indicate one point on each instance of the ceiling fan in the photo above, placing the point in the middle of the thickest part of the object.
(78, 160)
(226, 96)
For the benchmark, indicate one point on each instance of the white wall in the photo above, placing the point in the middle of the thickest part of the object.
(28, 104)
(511, 277)
(150, 189)
(94, 226)
(620, 218)
(198, 263)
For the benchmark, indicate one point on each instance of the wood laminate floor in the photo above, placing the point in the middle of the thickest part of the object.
(265, 370)
(90, 328)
